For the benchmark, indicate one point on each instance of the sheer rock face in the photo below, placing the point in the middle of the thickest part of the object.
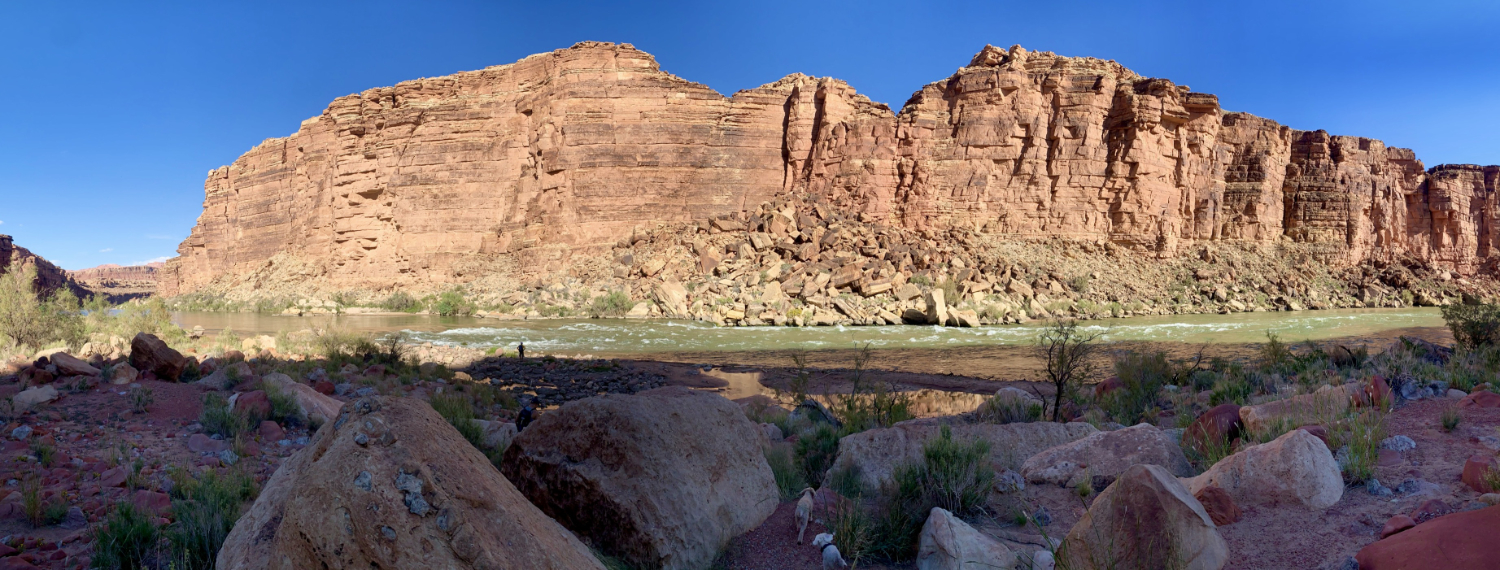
(49, 277)
(566, 153)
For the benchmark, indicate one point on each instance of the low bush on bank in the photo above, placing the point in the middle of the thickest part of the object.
(401, 302)
(612, 304)
(1473, 326)
(34, 321)
(453, 304)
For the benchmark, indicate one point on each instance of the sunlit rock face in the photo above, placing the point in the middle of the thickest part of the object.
(528, 168)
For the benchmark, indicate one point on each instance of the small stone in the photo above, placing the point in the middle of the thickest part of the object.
(361, 439)
(228, 457)
(21, 433)
(1396, 524)
(1042, 517)
(1010, 482)
(364, 481)
(1398, 443)
(1375, 488)
(388, 532)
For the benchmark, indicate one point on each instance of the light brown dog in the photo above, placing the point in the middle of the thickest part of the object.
(804, 512)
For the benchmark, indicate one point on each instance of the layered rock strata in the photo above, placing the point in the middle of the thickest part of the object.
(526, 169)
(49, 277)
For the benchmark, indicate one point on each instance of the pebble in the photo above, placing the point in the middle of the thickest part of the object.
(1398, 443)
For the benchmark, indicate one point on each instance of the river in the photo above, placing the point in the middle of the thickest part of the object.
(642, 337)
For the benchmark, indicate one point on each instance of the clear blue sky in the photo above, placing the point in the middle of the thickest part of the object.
(115, 112)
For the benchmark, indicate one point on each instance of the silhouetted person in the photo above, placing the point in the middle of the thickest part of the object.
(521, 351)
(524, 418)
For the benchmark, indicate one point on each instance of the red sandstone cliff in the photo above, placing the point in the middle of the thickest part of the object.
(565, 153)
(49, 277)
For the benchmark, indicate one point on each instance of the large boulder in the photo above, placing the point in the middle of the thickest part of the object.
(947, 543)
(1459, 540)
(1146, 519)
(150, 354)
(876, 453)
(1219, 425)
(662, 479)
(34, 396)
(1106, 454)
(1296, 468)
(390, 484)
(1299, 410)
(315, 406)
(67, 365)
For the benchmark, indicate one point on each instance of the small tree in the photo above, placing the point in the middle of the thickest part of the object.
(1067, 351)
(1473, 326)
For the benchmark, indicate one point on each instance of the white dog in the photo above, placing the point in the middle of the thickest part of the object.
(831, 558)
(804, 512)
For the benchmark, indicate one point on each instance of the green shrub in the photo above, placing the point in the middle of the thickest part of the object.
(1142, 376)
(1008, 409)
(401, 302)
(789, 479)
(453, 304)
(1230, 390)
(284, 408)
(1362, 432)
(217, 417)
(126, 539)
(1450, 419)
(204, 509)
(953, 475)
(141, 399)
(1473, 326)
(848, 481)
(613, 304)
(33, 320)
(459, 412)
(817, 449)
(45, 454)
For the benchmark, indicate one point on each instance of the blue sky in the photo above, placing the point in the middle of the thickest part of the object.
(117, 110)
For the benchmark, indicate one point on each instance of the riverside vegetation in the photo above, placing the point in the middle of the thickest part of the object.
(1347, 393)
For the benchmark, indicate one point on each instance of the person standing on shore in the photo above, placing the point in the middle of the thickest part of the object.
(521, 351)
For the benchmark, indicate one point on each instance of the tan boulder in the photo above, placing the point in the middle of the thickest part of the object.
(391, 485)
(1106, 454)
(34, 396)
(876, 453)
(1298, 410)
(908, 292)
(662, 479)
(1146, 519)
(947, 543)
(1296, 468)
(150, 354)
(123, 374)
(673, 298)
(315, 406)
(937, 308)
(67, 365)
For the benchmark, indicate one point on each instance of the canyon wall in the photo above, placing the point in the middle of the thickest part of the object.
(522, 168)
(49, 277)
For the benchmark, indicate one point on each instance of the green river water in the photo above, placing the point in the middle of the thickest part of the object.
(621, 336)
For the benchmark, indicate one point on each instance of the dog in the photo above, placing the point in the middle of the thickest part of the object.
(804, 512)
(832, 560)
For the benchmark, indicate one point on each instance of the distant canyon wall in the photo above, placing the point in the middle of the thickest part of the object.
(49, 277)
(565, 153)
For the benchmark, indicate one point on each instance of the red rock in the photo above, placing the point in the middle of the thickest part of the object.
(150, 354)
(1219, 505)
(626, 144)
(253, 404)
(203, 444)
(1375, 393)
(6, 550)
(325, 387)
(15, 563)
(1430, 509)
(49, 277)
(1220, 423)
(271, 431)
(1389, 458)
(1474, 472)
(1319, 431)
(152, 501)
(1108, 385)
(113, 478)
(1460, 540)
(1480, 399)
